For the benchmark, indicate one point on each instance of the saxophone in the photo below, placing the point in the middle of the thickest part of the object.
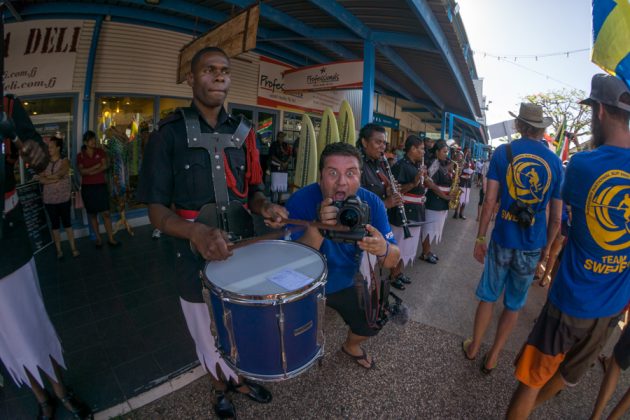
(456, 192)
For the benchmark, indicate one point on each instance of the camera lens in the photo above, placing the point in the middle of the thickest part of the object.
(349, 217)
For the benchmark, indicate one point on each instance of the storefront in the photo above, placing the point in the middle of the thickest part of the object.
(133, 86)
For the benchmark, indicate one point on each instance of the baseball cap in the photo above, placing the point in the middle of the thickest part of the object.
(607, 90)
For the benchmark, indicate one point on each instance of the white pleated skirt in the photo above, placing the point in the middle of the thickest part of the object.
(434, 225)
(198, 321)
(464, 198)
(408, 247)
(28, 339)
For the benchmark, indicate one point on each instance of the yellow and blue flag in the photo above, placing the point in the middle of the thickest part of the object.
(611, 37)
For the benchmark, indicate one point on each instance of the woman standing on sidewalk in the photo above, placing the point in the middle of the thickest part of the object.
(92, 163)
(56, 194)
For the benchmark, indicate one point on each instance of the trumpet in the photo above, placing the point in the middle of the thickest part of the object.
(401, 206)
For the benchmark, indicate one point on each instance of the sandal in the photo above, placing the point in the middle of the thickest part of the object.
(485, 369)
(404, 279)
(397, 283)
(465, 345)
(358, 359)
(77, 407)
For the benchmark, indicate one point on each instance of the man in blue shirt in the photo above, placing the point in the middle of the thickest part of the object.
(340, 177)
(524, 173)
(592, 286)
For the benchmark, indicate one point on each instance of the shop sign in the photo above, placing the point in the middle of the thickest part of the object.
(386, 121)
(434, 136)
(271, 91)
(40, 55)
(330, 76)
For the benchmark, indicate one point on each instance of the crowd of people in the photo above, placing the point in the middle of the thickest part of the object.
(409, 200)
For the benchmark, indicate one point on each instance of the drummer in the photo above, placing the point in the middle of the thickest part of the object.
(340, 177)
(176, 177)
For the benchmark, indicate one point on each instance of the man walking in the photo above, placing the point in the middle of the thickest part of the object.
(526, 176)
(592, 286)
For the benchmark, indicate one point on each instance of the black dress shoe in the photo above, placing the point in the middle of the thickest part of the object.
(76, 407)
(404, 279)
(257, 392)
(398, 284)
(223, 407)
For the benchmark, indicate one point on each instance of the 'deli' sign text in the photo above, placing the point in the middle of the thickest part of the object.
(40, 56)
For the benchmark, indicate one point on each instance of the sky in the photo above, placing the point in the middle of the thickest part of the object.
(511, 28)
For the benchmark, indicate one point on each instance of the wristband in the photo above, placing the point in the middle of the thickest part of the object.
(480, 240)
(386, 251)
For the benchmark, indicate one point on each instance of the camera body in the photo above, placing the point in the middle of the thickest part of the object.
(523, 213)
(354, 214)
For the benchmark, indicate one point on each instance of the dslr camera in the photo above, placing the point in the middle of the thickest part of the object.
(523, 213)
(354, 214)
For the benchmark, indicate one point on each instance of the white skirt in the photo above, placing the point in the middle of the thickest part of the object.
(408, 247)
(464, 198)
(198, 321)
(279, 181)
(28, 339)
(434, 225)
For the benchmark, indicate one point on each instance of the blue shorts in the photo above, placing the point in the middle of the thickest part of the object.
(509, 269)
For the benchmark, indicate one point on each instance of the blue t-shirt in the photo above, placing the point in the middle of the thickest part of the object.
(538, 174)
(594, 276)
(340, 257)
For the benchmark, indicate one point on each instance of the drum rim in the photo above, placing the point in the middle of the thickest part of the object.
(270, 299)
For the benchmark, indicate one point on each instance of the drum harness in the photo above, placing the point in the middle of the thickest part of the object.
(222, 213)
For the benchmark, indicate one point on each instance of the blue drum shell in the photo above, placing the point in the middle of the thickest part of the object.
(256, 331)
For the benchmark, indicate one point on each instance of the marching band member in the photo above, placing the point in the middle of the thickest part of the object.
(439, 183)
(410, 176)
(465, 183)
(373, 143)
(175, 175)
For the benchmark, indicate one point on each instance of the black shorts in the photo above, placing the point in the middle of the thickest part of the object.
(95, 198)
(622, 350)
(59, 213)
(346, 303)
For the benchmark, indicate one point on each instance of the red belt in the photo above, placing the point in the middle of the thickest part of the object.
(187, 214)
(413, 198)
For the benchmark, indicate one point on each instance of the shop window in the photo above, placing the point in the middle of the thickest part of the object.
(168, 105)
(123, 126)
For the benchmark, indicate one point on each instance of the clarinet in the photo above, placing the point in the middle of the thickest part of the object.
(401, 206)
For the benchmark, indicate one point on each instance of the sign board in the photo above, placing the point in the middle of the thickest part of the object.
(386, 121)
(40, 55)
(330, 76)
(434, 136)
(34, 215)
(236, 36)
(502, 129)
(271, 91)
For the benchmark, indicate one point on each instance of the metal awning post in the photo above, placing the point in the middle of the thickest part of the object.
(369, 66)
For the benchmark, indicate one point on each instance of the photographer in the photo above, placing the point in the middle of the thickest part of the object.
(526, 176)
(340, 175)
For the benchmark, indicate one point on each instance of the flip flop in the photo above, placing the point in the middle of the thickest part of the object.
(485, 369)
(465, 344)
(358, 359)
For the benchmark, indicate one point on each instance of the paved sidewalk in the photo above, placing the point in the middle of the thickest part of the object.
(421, 371)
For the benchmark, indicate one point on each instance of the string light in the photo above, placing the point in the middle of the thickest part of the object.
(531, 56)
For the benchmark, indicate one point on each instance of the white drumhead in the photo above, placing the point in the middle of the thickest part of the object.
(267, 268)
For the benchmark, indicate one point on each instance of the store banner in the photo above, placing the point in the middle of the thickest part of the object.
(40, 56)
(271, 91)
(330, 76)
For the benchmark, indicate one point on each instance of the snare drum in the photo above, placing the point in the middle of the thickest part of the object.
(267, 306)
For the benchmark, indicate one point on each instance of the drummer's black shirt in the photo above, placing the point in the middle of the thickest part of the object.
(173, 174)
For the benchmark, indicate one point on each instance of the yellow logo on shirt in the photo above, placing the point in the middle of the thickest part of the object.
(530, 178)
(608, 210)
